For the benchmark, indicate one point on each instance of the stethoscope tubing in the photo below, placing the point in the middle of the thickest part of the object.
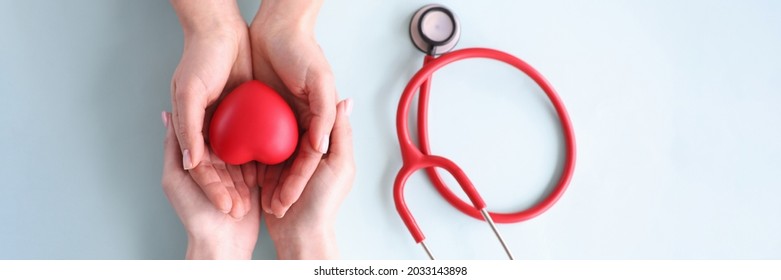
(415, 158)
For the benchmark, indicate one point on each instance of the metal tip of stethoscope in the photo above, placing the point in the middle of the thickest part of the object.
(430, 256)
(496, 232)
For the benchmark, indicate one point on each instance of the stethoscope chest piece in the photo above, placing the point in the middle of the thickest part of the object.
(434, 29)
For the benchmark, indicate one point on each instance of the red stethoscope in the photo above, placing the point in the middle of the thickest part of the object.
(434, 30)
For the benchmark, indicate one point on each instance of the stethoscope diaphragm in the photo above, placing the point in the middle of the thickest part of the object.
(434, 29)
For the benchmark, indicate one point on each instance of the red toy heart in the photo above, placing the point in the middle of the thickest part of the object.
(253, 123)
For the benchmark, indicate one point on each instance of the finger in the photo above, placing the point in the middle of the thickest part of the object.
(237, 206)
(206, 175)
(301, 171)
(264, 188)
(171, 153)
(261, 174)
(285, 173)
(266, 192)
(241, 187)
(321, 93)
(270, 183)
(254, 194)
(250, 173)
(286, 169)
(246, 198)
(342, 134)
(237, 211)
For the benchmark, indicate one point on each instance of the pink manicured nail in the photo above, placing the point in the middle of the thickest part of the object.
(324, 142)
(165, 118)
(349, 106)
(187, 162)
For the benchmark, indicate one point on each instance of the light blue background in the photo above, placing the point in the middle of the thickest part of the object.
(675, 106)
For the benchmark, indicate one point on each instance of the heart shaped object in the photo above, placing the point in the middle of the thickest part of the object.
(253, 122)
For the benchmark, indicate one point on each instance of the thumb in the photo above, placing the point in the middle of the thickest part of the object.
(189, 108)
(322, 104)
(342, 146)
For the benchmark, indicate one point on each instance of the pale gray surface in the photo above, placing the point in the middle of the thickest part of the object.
(675, 106)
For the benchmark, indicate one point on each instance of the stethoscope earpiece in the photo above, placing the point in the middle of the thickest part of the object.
(434, 29)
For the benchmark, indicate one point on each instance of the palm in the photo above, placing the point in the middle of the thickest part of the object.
(198, 214)
(318, 204)
(280, 66)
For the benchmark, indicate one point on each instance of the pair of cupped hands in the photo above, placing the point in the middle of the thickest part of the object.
(221, 205)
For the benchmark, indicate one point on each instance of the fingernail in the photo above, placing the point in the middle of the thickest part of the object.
(165, 119)
(282, 214)
(324, 144)
(188, 164)
(238, 215)
(225, 211)
(349, 106)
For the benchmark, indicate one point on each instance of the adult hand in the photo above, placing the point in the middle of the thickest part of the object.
(211, 233)
(306, 231)
(286, 56)
(216, 59)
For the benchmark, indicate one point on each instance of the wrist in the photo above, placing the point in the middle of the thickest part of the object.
(313, 243)
(208, 16)
(298, 16)
(217, 249)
